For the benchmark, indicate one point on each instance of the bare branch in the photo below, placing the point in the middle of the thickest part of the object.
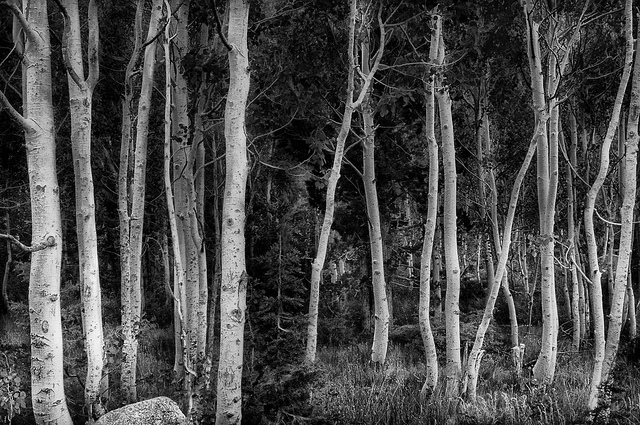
(65, 47)
(30, 33)
(212, 6)
(49, 242)
(376, 64)
(5, 104)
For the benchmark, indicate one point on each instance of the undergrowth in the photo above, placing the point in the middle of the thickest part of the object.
(344, 388)
(354, 393)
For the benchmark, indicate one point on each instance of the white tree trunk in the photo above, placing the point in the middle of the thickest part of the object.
(47, 376)
(475, 356)
(424, 318)
(547, 170)
(381, 306)
(233, 289)
(334, 176)
(592, 246)
(131, 207)
(80, 99)
(452, 263)
(626, 228)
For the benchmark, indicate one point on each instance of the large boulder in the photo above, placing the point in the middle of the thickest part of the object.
(155, 411)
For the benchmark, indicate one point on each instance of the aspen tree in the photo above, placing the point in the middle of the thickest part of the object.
(131, 194)
(545, 103)
(452, 264)
(470, 379)
(517, 350)
(571, 236)
(595, 273)
(626, 229)
(380, 302)
(431, 379)
(80, 100)
(179, 293)
(573, 156)
(233, 289)
(184, 156)
(334, 174)
(47, 376)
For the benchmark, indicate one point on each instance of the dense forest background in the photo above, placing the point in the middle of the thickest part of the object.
(471, 287)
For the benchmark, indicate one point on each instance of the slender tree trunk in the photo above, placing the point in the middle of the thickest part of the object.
(234, 269)
(184, 189)
(626, 228)
(4, 297)
(575, 286)
(516, 349)
(131, 206)
(334, 175)
(437, 268)
(47, 378)
(424, 313)
(592, 246)
(181, 342)
(197, 188)
(473, 363)
(381, 307)
(452, 264)
(547, 171)
(80, 99)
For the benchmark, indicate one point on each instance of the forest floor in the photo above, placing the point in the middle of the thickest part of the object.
(349, 391)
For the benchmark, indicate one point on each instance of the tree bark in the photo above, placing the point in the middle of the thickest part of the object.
(47, 377)
(381, 306)
(333, 177)
(547, 170)
(424, 312)
(131, 203)
(234, 278)
(592, 246)
(452, 263)
(626, 229)
(475, 356)
(80, 99)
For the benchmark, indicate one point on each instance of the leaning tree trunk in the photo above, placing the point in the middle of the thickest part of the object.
(592, 246)
(334, 176)
(626, 228)
(80, 99)
(380, 303)
(517, 350)
(47, 377)
(234, 269)
(131, 205)
(475, 356)
(424, 317)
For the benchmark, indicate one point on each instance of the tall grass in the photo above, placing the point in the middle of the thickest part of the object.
(354, 393)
